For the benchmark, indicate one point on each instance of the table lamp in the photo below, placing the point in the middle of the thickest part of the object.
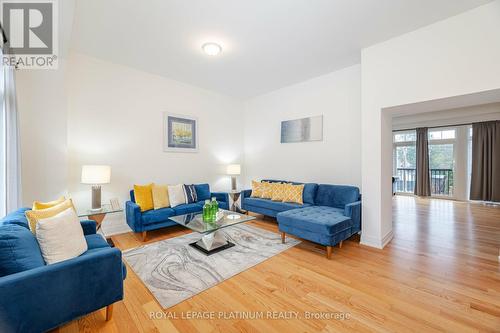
(233, 170)
(96, 175)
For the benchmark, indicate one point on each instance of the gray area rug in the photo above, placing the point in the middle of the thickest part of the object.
(174, 271)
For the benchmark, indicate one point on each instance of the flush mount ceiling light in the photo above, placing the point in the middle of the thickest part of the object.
(211, 49)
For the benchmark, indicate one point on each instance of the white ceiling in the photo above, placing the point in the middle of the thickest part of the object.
(267, 44)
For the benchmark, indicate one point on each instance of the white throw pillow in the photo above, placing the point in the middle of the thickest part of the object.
(60, 237)
(176, 195)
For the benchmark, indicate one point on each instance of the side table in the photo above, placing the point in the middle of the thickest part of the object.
(99, 215)
(235, 195)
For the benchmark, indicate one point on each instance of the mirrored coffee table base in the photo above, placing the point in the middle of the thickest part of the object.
(212, 243)
(213, 239)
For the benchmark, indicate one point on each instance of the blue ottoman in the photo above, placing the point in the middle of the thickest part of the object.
(320, 224)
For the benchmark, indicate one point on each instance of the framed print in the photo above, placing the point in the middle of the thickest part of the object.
(180, 133)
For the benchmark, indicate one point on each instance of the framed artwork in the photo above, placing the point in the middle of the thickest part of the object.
(180, 133)
(302, 130)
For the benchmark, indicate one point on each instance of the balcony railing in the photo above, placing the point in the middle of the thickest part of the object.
(441, 181)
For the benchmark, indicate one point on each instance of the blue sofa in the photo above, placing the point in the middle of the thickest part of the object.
(35, 297)
(329, 214)
(158, 218)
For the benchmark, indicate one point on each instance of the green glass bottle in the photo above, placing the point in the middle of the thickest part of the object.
(215, 209)
(207, 211)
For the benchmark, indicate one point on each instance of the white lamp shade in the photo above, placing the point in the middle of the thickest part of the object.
(96, 174)
(233, 169)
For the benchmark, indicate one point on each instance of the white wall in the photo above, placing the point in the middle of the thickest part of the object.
(453, 57)
(464, 115)
(42, 118)
(115, 118)
(336, 159)
(42, 108)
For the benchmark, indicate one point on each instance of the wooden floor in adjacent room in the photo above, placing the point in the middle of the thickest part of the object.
(440, 273)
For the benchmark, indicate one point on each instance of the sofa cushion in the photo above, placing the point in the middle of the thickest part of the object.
(19, 250)
(143, 195)
(266, 190)
(202, 191)
(273, 205)
(176, 195)
(190, 193)
(95, 241)
(157, 215)
(16, 217)
(160, 196)
(37, 205)
(60, 237)
(336, 195)
(309, 189)
(201, 203)
(34, 216)
(188, 208)
(293, 193)
(320, 219)
(309, 193)
(256, 189)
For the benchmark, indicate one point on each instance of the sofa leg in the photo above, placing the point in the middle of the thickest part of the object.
(109, 312)
(283, 237)
(340, 244)
(144, 235)
(329, 251)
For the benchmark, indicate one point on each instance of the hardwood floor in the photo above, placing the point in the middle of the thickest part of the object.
(440, 273)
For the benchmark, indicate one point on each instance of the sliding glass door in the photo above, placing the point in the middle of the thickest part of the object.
(404, 161)
(442, 161)
(442, 152)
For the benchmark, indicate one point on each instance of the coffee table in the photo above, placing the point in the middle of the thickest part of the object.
(212, 239)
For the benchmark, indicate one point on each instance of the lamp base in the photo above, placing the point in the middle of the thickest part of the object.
(96, 197)
(233, 183)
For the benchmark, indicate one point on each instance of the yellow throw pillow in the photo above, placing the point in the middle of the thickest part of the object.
(160, 196)
(293, 193)
(44, 205)
(34, 215)
(256, 189)
(267, 190)
(144, 196)
(278, 193)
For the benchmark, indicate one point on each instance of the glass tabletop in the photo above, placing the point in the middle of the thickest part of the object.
(105, 209)
(194, 221)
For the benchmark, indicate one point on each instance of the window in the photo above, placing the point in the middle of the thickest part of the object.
(469, 159)
(442, 160)
(404, 161)
(442, 134)
(405, 137)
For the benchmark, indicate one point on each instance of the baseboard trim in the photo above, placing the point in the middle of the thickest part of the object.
(376, 242)
(387, 238)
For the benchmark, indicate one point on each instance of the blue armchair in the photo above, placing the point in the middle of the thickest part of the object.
(159, 218)
(46, 296)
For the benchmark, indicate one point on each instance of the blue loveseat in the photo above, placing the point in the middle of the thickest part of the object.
(35, 297)
(329, 213)
(158, 218)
